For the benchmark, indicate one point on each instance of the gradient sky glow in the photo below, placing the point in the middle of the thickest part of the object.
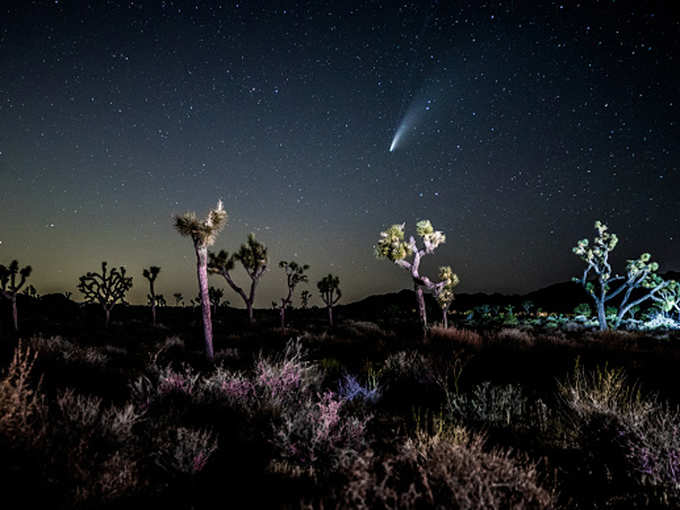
(534, 121)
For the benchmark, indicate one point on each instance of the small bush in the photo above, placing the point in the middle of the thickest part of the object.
(460, 336)
(186, 451)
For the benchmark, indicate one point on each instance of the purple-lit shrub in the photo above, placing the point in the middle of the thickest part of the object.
(314, 434)
(350, 388)
(183, 382)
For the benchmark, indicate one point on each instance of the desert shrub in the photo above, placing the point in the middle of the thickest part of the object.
(232, 387)
(22, 405)
(404, 367)
(450, 469)
(68, 352)
(183, 382)
(514, 336)
(313, 434)
(119, 421)
(350, 388)
(80, 413)
(460, 336)
(497, 406)
(186, 451)
(282, 379)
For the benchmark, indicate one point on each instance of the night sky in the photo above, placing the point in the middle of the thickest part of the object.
(519, 126)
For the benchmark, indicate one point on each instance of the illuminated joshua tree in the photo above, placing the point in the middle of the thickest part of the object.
(203, 234)
(294, 276)
(330, 293)
(179, 299)
(305, 296)
(443, 291)
(253, 257)
(107, 288)
(668, 299)
(151, 274)
(392, 246)
(640, 274)
(10, 287)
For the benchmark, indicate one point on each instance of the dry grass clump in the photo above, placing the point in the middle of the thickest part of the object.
(461, 336)
(22, 406)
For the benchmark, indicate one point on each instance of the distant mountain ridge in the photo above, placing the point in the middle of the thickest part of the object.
(558, 297)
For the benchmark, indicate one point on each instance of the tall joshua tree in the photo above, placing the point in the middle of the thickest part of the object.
(151, 274)
(9, 287)
(392, 246)
(640, 274)
(294, 276)
(253, 257)
(107, 288)
(443, 291)
(330, 293)
(203, 234)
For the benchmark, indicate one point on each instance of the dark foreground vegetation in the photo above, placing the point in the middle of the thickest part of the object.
(365, 415)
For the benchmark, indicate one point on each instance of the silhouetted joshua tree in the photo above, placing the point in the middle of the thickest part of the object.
(160, 300)
(640, 273)
(295, 274)
(9, 287)
(305, 296)
(253, 257)
(179, 299)
(107, 288)
(31, 292)
(151, 274)
(330, 293)
(203, 234)
(392, 246)
(215, 296)
(443, 291)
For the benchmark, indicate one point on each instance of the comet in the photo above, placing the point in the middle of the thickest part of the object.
(418, 107)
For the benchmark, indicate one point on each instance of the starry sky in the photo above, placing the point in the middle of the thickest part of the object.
(520, 123)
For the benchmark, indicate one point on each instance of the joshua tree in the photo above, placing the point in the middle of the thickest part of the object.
(31, 292)
(107, 288)
(151, 274)
(669, 299)
(215, 295)
(330, 293)
(294, 276)
(203, 234)
(179, 299)
(443, 291)
(253, 257)
(9, 287)
(640, 274)
(305, 296)
(160, 300)
(392, 246)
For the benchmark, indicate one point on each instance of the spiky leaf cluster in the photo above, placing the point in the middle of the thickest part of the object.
(596, 253)
(642, 271)
(391, 244)
(107, 288)
(253, 256)
(445, 290)
(669, 297)
(431, 238)
(8, 278)
(294, 273)
(202, 232)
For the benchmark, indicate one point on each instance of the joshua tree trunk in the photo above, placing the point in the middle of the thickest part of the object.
(15, 314)
(251, 317)
(153, 313)
(330, 316)
(202, 270)
(107, 311)
(445, 318)
(282, 315)
(420, 297)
